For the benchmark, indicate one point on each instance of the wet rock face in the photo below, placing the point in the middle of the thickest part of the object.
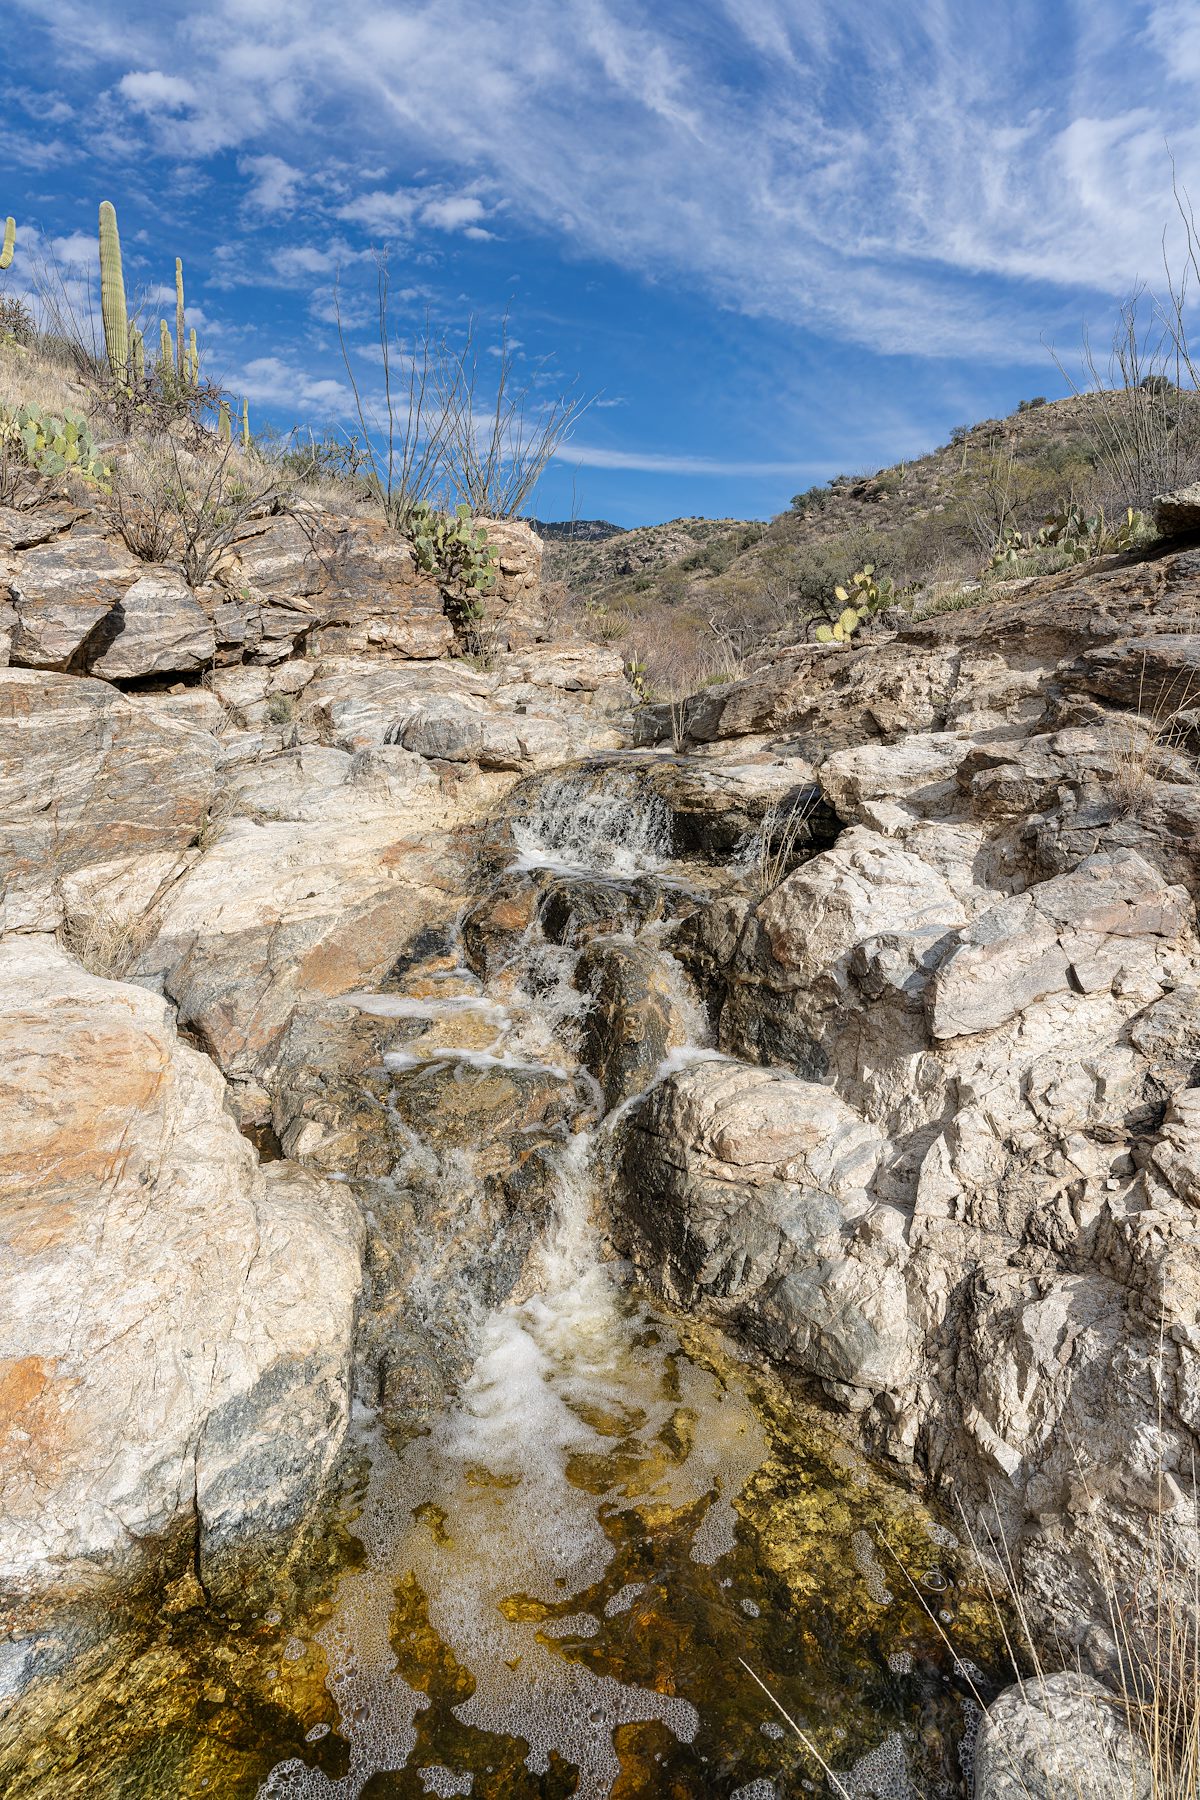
(636, 1015)
(451, 1159)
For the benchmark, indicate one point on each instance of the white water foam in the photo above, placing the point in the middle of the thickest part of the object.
(580, 825)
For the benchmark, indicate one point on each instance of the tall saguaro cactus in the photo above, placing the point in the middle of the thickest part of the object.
(245, 423)
(180, 334)
(112, 293)
(137, 356)
(10, 242)
(166, 352)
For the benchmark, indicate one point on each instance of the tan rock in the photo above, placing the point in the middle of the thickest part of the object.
(88, 775)
(158, 627)
(61, 591)
(175, 1322)
(278, 912)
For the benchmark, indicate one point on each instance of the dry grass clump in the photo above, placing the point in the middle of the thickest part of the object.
(1150, 744)
(172, 504)
(106, 941)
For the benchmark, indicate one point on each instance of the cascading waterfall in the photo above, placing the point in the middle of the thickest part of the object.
(563, 1519)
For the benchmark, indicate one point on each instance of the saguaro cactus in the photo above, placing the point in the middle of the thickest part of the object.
(180, 334)
(225, 424)
(193, 357)
(112, 293)
(166, 351)
(137, 355)
(245, 423)
(10, 242)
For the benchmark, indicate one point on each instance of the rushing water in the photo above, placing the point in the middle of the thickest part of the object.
(560, 1586)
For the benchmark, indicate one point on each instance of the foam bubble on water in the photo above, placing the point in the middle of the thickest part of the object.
(862, 1553)
(880, 1774)
(623, 1599)
(762, 1789)
(448, 1782)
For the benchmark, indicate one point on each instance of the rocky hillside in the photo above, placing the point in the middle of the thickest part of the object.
(691, 600)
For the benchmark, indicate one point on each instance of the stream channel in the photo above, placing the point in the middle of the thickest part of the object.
(560, 1570)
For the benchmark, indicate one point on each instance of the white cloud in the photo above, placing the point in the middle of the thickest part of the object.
(273, 183)
(453, 212)
(649, 462)
(274, 381)
(149, 90)
(79, 250)
(381, 211)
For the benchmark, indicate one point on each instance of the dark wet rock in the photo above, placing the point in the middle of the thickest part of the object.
(636, 1016)
(574, 909)
(495, 925)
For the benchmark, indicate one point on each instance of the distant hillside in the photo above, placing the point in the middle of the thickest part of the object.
(595, 556)
(678, 595)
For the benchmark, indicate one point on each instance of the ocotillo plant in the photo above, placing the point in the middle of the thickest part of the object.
(180, 335)
(112, 293)
(10, 242)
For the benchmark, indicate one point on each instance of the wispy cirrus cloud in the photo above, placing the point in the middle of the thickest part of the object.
(893, 176)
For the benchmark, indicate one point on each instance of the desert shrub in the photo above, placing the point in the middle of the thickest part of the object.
(1030, 405)
(812, 500)
(16, 321)
(174, 505)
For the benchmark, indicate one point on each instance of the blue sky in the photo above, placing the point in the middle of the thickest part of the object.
(781, 239)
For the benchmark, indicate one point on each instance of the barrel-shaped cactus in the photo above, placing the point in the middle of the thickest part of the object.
(112, 294)
(10, 242)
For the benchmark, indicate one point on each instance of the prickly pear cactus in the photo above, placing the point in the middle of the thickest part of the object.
(52, 445)
(864, 597)
(450, 546)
